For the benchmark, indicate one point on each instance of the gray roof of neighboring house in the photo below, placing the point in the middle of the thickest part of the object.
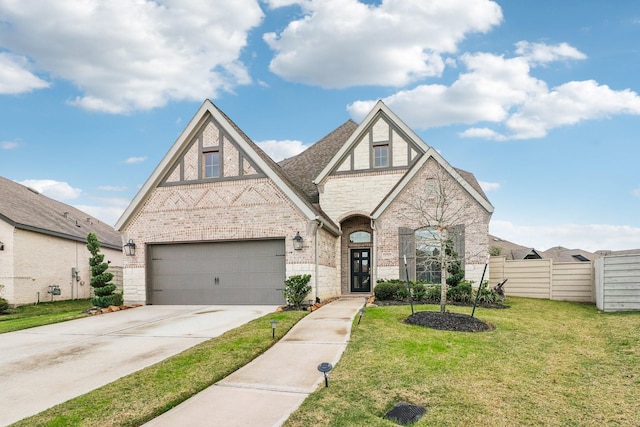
(26, 209)
(561, 254)
(512, 250)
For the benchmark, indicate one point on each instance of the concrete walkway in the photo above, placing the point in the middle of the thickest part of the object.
(266, 391)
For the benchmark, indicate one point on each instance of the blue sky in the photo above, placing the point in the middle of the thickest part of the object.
(540, 100)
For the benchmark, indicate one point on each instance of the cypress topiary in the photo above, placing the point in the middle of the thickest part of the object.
(100, 278)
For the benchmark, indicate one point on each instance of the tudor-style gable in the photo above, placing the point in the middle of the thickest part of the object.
(380, 146)
(212, 150)
(369, 164)
(210, 155)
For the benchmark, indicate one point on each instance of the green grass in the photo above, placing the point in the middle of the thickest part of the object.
(145, 394)
(547, 363)
(44, 313)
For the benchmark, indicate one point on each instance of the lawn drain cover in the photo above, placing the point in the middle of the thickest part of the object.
(405, 414)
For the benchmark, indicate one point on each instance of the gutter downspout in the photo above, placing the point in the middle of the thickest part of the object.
(374, 279)
(320, 224)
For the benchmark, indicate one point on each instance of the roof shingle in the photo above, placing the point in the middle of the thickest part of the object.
(26, 209)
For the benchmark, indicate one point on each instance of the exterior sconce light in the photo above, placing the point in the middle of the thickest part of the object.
(1, 246)
(274, 323)
(130, 248)
(297, 242)
(325, 368)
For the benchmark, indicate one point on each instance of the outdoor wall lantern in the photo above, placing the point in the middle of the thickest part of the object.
(297, 242)
(1, 246)
(130, 248)
(274, 323)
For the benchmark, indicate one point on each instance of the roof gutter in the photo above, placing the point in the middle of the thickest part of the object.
(323, 224)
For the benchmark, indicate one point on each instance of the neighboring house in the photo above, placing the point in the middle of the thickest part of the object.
(510, 250)
(219, 222)
(561, 254)
(43, 244)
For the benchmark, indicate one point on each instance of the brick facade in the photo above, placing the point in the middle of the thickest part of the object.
(253, 199)
(221, 211)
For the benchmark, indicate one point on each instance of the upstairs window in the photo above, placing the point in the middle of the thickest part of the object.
(212, 164)
(381, 156)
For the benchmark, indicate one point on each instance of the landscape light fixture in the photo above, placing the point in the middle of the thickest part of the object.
(297, 242)
(325, 368)
(274, 323)
(362, 311)
(130, 248)
(1, 246)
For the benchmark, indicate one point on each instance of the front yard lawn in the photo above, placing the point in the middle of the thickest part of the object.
(547, 363)
(44, 313)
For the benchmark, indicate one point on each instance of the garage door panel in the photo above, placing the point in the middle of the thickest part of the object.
(242, 272)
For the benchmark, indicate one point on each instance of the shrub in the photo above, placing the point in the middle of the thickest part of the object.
(460, 293)
(419, 292)
(488, 296)
(401, 292)
(432, 294)
(384, 291)
(296, 289)
(4, 305)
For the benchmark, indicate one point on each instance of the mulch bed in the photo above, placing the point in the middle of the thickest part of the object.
(448, 321)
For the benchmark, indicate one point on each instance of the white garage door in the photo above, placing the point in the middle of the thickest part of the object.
(238, 272)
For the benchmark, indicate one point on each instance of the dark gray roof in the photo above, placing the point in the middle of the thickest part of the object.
(26, 209)
(513, 251)
(306, 166)
(562, 254)
(471, 179)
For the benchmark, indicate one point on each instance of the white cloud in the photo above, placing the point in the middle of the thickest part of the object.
(112, 188)
(636, 192)
(55, 189)
(15, 76)
(279, 150)
(341, 43)
(132, 160)
(489, 186)
(542, 53)
(8, 145)
(500, 90)
(125, 55)
(590, 237)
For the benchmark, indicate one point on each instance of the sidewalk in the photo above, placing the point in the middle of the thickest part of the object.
(267, 390)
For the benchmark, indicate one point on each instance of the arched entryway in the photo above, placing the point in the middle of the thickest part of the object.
(356, 255)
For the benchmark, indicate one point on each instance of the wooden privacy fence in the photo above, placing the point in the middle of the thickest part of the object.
(618, 282)
(543, 278)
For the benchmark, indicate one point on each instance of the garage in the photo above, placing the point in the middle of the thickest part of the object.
(234, 272)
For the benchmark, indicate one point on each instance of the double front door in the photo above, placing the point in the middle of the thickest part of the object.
(360, 270)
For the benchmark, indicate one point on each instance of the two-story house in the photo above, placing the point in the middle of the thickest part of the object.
(220, 222)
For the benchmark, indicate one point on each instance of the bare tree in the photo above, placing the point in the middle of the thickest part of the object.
(441, 210)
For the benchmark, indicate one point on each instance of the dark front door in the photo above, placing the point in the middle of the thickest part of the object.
(360, 267)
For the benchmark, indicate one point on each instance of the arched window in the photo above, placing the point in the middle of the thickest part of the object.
(360, 237)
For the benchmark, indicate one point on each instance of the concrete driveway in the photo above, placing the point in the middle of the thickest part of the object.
(42, 367)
